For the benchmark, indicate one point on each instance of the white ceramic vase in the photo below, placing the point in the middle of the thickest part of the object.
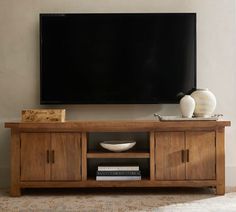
(205, 103)
(187, 106)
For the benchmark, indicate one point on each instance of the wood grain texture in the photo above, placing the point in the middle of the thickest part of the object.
(118, 184)
(43, 115)
(66, 165)
(84, 156)
(202, 153)
(152, 155)
(118, 155)
(169, 164)
(34, 161)
(15, 164)
(119, 126)
(220, 161)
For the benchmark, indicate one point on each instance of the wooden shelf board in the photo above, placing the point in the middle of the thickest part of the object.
(118, 155)
(118, 126)
(136, 183)
(93, 179)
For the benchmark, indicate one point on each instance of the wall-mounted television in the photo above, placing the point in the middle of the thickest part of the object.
(116, 58)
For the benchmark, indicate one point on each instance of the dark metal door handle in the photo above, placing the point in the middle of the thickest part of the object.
(183, 156)
(53, 156)
(187, 155)
(48, 157)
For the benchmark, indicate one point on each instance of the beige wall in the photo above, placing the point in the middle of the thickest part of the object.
(19, 62)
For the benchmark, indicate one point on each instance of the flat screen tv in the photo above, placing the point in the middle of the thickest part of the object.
(118, 58)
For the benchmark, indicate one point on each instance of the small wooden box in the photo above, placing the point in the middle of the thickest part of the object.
(43, 115)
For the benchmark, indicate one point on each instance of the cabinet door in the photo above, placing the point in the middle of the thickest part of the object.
(66, 156)
(35, 164)
(168, 153)
(202, 153)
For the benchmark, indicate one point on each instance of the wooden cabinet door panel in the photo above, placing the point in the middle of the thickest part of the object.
(168, 154)
(202, 153)
(34, 159)
(66, 164)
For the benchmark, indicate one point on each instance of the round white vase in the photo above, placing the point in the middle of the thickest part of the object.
(187, 106)
(205, 102)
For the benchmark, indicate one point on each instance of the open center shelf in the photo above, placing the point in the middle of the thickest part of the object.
(138, 155)
(143, 163)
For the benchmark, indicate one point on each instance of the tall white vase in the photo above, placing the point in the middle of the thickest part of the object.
(205, 102)
(187, 106)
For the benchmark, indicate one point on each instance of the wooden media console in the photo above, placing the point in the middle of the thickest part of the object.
(66, 155)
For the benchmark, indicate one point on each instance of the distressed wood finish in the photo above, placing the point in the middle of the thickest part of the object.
(201, 147)
(169, 163)
(117, 184)
(119, 126)
(152, 156)
(43, 115)
(84, 156)
(15, 163)
(168, 144)
(35, 149)
(220, 161)
(66, 157)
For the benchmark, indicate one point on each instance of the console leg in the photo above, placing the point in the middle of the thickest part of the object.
(15, 192)
(220, 189)
(15, 164)
(220, 161)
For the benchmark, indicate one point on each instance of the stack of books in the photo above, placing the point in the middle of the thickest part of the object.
(121, 172)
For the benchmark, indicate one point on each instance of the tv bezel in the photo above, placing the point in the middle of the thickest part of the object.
(43, 102)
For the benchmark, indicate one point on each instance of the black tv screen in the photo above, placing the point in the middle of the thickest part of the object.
(116, 58)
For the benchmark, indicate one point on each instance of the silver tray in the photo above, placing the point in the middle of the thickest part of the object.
(180, 118)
